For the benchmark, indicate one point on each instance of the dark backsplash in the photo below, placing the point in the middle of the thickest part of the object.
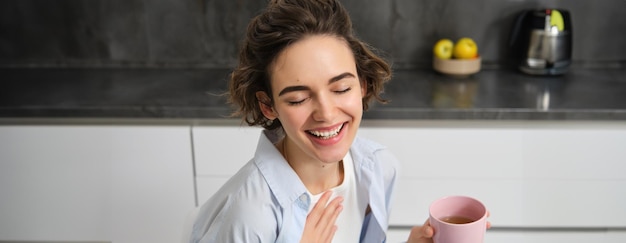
(206, 33)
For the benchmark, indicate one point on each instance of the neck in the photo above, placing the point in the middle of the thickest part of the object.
(317, 176)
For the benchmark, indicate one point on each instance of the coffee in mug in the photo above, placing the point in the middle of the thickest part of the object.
(457, 220)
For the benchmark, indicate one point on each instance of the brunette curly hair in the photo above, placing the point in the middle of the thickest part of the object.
(282, 23)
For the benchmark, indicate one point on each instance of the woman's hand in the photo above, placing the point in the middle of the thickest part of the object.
(424, 233)
(320, 223)
(421, 234)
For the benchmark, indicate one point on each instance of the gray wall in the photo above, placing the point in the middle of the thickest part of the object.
(206, 33)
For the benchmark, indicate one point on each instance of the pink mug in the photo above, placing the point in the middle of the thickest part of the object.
(458, 219)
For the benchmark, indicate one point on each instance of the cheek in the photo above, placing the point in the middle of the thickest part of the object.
(355, 102)
(293, 116)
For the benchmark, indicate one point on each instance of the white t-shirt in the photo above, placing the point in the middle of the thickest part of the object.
(348, 230)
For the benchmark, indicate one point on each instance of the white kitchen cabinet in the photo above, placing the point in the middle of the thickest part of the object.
(121, 184)
(219, 152)
(542, 181)
(529, 174)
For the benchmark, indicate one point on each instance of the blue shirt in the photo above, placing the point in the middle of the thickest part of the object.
(265, 201)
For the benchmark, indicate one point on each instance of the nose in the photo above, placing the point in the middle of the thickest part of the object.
(325, 109)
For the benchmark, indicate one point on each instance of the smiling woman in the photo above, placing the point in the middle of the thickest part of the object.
(306, 79)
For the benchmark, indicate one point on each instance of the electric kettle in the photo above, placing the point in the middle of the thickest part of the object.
(541, 42)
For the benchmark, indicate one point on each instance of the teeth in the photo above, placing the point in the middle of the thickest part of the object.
(327, 134)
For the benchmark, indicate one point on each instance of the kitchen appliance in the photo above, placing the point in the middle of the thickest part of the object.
(541, 42)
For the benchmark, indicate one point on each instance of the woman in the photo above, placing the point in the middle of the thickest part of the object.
(306, 79)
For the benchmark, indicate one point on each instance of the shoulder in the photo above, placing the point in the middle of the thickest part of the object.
(374, 152)
(243, 210)
(377, 159)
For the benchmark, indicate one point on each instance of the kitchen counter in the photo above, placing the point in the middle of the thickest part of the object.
(491, 94)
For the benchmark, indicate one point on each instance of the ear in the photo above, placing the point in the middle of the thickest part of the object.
(266, 105)
(363, 87)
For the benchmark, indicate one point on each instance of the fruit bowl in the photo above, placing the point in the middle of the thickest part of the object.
(457, 67)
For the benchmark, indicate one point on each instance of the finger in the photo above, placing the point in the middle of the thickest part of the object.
(329, 238)
(330, 212)
(421, 233)
(488, 225)
(321, 204)
(330, 228)
(319, 207)
(427, 231)
(326, 226)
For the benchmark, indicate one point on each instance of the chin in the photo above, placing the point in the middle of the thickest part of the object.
(335, 155)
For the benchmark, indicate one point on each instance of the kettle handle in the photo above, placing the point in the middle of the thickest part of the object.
(517, 26)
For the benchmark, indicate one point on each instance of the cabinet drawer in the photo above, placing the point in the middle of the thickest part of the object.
(498, 236)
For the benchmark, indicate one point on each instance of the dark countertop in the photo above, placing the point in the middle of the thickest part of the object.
(497, 94)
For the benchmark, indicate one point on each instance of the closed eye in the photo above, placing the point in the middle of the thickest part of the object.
(343, 91)
(297, 102)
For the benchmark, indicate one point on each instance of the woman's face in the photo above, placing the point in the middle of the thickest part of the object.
(317, 98)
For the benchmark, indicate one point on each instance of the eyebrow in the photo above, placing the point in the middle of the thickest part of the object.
(302, 87)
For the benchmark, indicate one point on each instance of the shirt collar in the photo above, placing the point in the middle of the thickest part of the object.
(363, 154)
(369, 173)
(281, 178)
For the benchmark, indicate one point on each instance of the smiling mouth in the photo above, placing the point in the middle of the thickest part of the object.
(326, 134)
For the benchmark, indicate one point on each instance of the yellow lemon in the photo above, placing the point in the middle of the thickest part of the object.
(465, 48)
(443, 48)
